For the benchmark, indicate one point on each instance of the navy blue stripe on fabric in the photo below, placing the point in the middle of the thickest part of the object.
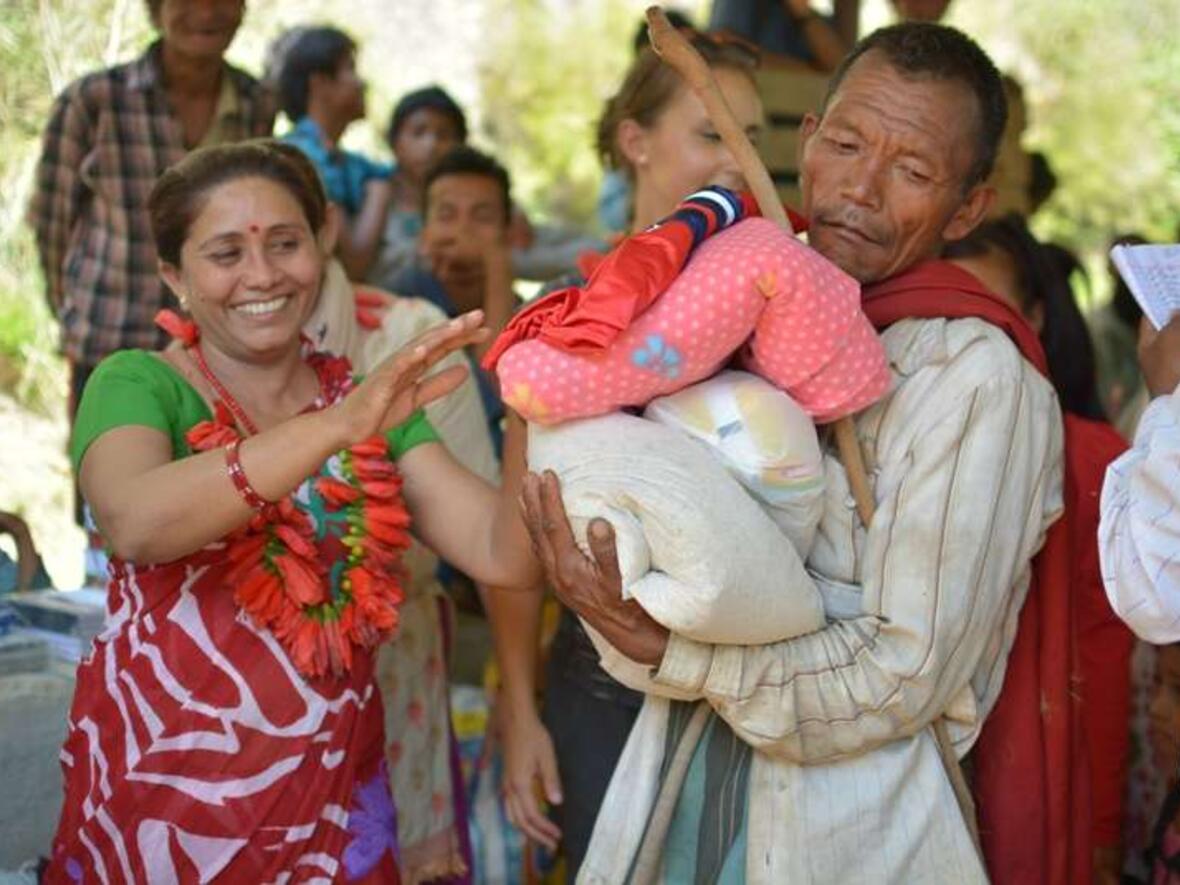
(697, 221)
(721, 201)
(708, 211)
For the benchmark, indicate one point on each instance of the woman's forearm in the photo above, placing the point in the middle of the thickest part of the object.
(152, 508)
(466, 521)
(510, 546)
(499, 298)
(508, 527)
(515, 620)
(174, 509)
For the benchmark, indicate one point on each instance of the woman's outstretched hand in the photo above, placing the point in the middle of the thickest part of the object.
(400, 385)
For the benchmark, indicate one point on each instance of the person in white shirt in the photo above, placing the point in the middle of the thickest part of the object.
(1139, 535)
(816, 759)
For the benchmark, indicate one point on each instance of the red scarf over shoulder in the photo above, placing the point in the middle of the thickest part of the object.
(1030, 774)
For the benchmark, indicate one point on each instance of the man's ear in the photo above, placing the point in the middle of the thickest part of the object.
(632, 141)
(329, 234)
(806, 129)
(974, 208)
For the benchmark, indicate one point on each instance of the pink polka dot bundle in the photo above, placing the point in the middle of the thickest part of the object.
(752, 289)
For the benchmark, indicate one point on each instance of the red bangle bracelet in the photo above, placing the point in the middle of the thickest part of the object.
(233, 466)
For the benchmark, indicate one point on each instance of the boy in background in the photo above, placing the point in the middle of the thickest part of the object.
(322, 93)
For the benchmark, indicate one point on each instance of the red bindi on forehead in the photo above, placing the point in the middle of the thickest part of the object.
(254, 228)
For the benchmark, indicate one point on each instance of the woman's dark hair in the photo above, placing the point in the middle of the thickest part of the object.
(464, 160)
(180, 193)
(1064, 333)
(433, 98)
(650, 85)
(319, 50)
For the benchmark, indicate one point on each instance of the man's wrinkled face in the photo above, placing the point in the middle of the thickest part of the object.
(883, 171)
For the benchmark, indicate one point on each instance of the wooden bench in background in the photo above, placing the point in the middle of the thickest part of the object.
(787, 95)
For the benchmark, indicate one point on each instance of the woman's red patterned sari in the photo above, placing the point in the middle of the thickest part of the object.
(226, 725)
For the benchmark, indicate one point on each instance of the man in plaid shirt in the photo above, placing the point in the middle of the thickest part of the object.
(109, 136)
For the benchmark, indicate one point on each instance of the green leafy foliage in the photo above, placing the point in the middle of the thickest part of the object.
(544, 92)
(1100, 83)
(43, 45)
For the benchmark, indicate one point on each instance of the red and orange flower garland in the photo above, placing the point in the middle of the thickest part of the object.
(275, 567)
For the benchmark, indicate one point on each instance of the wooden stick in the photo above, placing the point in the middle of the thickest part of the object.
(854, 466)
(962, 790)
(682, 57)
(675, 50)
